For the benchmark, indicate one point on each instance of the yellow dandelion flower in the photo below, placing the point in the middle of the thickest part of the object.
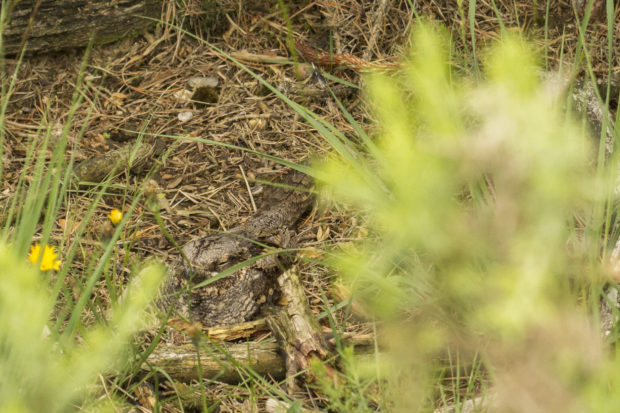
(115, 216)
(49, 261)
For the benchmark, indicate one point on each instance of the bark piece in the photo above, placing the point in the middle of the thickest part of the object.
(218, 333)
(296, 328)
(237, 331)
(61, 24)
(181, 362)
(588, 105)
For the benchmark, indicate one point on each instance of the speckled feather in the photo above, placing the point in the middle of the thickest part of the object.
(240, 295)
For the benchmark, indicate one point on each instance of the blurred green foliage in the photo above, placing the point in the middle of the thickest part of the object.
(42, 372)
(471, 196)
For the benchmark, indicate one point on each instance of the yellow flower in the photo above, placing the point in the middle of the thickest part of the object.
(115, 216)
(48, 261)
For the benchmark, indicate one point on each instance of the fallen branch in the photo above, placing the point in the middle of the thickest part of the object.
(295, 327)
(298, 333)
(181, 362)
(62, 24)
(236, 331)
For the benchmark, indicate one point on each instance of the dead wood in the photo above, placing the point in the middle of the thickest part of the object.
(585, 97)
(228, 333)
(295, 327)
(236, 331)
(181, 362)
(49, 25)
(265, 358)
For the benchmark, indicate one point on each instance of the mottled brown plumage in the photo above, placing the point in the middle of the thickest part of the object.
(240, 295)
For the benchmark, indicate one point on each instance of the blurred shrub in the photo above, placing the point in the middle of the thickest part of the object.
(41, 372)
(470, 196)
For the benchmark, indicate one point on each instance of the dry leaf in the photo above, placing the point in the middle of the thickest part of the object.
(322, 234)
(117, 98)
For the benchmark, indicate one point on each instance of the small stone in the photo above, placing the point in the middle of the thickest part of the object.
(185, 116)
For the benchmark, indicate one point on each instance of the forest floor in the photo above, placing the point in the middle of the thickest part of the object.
(142, 86)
